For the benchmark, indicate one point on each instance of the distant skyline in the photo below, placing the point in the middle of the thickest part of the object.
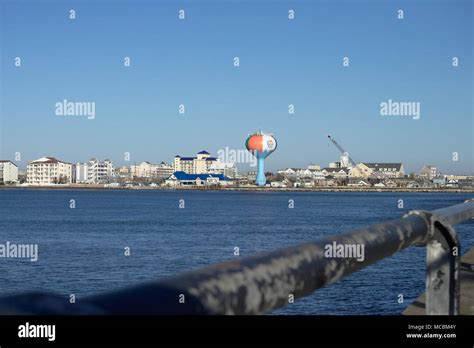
(282, 61)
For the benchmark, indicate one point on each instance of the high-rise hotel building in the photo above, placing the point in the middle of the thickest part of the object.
(201, 164)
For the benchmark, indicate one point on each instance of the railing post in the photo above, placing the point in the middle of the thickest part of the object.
(442, 265)
(442, 276)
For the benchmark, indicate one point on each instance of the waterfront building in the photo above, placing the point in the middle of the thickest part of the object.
(122, 172)
(181, 178)
(149, 170)
(95, 172)
(250, 175)
(459, 177)
(337, 173)
(439, 181)
(201, 164)
(289, 172)
(304, 173)
(163, 170)
(390, 183)
(312, 171)
(48, 171)
(8, 172)
(142, 170)
(377, 170)
(465, 183)
(413, 184)
(392, 170)
(358, 183)
(428, 172)
(318, 175)
(226, 168)
(452, 183)
(278, 184)
(307, 183)
(328, 182)
(360, 171)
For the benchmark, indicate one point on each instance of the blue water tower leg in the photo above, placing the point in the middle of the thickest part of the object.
(261, 180)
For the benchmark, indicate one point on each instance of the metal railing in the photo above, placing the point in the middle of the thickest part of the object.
(264, 282)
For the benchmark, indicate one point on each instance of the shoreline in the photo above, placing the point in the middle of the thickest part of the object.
(246, 189)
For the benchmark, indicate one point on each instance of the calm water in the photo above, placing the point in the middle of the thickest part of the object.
(81, 250)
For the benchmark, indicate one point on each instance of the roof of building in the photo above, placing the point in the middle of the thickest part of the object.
(193, 158)
(289, 169)
(48, 159)
(6, 161)
(376, 165)
(336, 170)
(182, 176)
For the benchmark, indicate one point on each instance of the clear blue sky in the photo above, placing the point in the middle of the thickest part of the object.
(282, 62)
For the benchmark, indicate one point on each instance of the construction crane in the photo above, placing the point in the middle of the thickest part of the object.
(343, 152)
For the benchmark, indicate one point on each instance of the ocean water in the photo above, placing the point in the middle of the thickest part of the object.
(81, 250)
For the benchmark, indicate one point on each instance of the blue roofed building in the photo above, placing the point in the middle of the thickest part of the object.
(201, 164)
(181, 178)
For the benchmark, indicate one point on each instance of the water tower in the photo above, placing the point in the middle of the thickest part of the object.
(261, 145)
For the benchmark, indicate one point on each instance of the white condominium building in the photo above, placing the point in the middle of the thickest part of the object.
(8, 172)
(94, 171)
(226, 168)
(163, 170)
(429, 172)
(201, 164)
(49, 170)
(149, 170)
